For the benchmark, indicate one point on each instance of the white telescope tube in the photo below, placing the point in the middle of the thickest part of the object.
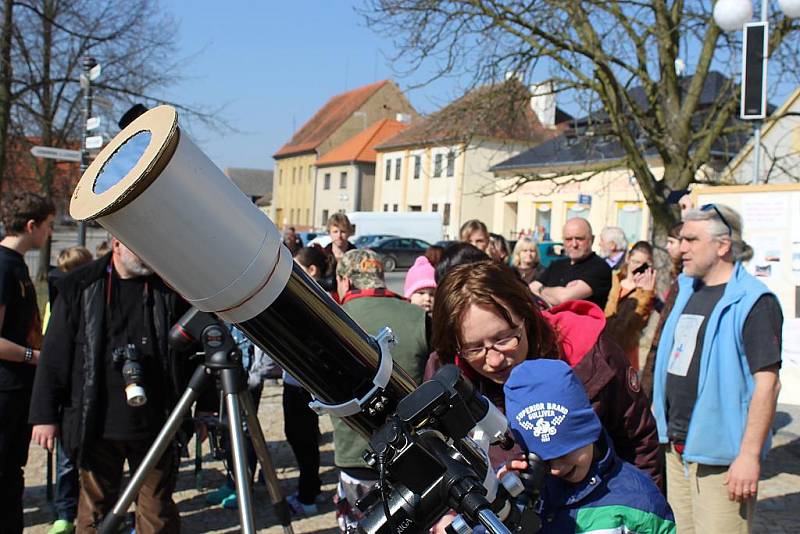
(167, 185)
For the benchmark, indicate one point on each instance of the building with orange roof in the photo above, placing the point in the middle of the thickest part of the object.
(346, 174)
(341, 118)
(442, 163)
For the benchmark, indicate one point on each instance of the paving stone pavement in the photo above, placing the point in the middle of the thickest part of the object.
(777, 513)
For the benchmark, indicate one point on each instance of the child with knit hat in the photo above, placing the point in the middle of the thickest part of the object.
(589, 489)
(421, 284)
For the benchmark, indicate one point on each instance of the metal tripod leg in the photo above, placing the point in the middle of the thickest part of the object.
(232, 387)
(279, 503)
(164, 439)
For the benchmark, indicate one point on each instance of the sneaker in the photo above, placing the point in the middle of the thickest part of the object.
(62, 526)
(219, 495)
(300, 509)
(231, 502)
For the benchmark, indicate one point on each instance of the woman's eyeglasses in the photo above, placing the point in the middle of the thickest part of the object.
(709, 207)
(501, 345)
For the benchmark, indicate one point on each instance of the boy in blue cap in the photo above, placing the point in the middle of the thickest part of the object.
(589, 488)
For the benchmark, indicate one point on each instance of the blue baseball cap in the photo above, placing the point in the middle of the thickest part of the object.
(547, 408)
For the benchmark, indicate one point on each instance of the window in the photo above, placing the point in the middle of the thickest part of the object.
(394, 207)
(291, 216)
(280, 177)
(300, 175)
(294, 174)
(629, 218)
(310, 173)
(388, 175)
(308, 216)
(397, 168)
(386, 207)
(542, 220)
(324, 218)
(577, 210)
(417, 166)
(451, 163)
(326, 182)
(437, 166)
(343, 180)
(414, 207)
(446, 214)
(434, 207)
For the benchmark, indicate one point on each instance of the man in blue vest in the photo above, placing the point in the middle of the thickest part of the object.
(716, 378)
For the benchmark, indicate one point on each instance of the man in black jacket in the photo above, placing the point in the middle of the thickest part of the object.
(108, 315)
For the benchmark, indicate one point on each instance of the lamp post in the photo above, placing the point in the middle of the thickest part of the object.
(732, 15)
(91, 70)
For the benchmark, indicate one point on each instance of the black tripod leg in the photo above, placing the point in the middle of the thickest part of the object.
(232, 386)
(113, 519)
(267, 467)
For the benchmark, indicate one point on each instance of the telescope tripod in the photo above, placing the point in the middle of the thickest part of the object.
(223, 364)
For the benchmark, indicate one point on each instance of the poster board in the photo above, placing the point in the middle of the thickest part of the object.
(771, 225)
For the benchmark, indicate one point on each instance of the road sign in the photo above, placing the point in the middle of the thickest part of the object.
(94, 72)
(95, 141)
(92, 123)
(50, 152)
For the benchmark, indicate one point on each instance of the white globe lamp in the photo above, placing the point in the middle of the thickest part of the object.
(730, 15)
(790, 8)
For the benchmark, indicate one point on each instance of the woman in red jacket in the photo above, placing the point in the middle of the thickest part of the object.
(486, 322)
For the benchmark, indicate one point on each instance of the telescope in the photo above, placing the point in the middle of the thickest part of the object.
(153, 189)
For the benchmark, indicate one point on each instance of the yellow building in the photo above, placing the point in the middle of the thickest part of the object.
(339, 119)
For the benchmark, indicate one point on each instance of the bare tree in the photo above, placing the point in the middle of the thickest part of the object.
(132, 39)
(596, 51)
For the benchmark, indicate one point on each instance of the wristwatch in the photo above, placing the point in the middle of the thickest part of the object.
(28, 354)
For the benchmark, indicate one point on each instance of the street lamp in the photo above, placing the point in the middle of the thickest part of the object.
(733, 15)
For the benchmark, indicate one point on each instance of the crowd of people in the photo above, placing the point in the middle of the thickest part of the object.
(648, 426)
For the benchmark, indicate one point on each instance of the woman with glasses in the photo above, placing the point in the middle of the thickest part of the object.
(486, 322)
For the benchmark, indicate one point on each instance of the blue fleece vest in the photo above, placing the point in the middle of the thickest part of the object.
(725, 384)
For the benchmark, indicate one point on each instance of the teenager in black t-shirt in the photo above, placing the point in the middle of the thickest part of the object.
(28, 220)
(583, 275)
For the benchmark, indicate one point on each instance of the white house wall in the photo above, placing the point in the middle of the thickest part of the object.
(610, 192)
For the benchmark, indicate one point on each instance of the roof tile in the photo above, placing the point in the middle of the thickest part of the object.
(500, 111)
(325, 121)
(361, 147)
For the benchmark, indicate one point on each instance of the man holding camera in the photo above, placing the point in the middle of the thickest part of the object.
(107, 379)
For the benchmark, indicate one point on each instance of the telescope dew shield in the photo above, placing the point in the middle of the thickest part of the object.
(153, 189)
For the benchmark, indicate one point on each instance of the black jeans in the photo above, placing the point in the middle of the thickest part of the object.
(301, 426)
(15, 436)
(67, 487)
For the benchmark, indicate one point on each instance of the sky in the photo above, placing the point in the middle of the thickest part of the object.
(269, 65)
(272, 65)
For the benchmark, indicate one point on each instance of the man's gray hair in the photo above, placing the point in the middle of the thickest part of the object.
(740, 250)
(616, 235)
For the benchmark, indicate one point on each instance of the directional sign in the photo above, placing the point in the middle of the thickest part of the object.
(95, 141)
(50, 152)
(92, 123)
(94, 72)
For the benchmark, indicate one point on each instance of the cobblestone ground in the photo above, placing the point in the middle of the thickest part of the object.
(778, 499)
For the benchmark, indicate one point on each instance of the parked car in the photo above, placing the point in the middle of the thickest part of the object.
(549, 251)
(306, 237)
(445, 243)
(364, 241)
(323, 240)
(399, 251)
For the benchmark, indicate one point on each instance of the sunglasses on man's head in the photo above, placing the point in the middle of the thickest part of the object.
(709, 207)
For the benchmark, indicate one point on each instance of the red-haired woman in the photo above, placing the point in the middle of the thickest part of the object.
(486, 321)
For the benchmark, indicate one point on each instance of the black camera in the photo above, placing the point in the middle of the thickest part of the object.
(129, 360)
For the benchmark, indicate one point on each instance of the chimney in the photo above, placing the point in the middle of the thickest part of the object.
(405, 118)
(543, 103)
